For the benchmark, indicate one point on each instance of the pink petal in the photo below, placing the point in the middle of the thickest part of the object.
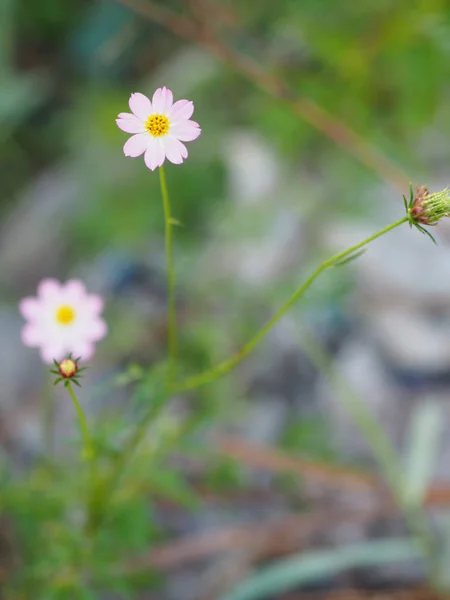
(186, 131)
(133, 125)
(97, 330)
(74, 290)
(49, 289)
(162, 100)
(29, 308)
(175, 150)
(136, 145)
(95, 304)
(181, 111)
(83, 349)
(140, 106)
(53, 350)
(154, 155)
(126, 116)
(31, 336)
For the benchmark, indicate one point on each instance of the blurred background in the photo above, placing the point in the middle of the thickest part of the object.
(315, 117)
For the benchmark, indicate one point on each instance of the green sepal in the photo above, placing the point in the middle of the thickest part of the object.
(426, 232)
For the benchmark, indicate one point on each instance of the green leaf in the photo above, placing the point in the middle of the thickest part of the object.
(348, 259)
(423, 442)
(307, 568)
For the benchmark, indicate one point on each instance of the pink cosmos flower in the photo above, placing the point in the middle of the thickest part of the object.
(62, 319)
(160, 127)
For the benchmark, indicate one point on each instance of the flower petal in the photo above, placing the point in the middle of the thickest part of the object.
(154, 155)
(74, 290)
(29, 308)
(140, 105)
(31, 335)
(133, 125)
(126, 116)
(181, 111)
(162, 100)
(53, 350)
(186, 131)
(136, 145)
(49, 289)
(83, 349)
(97, 330)
(95, 304)
(175, 150)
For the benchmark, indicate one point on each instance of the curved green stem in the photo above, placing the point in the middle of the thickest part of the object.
(222, 368)
(171, 302)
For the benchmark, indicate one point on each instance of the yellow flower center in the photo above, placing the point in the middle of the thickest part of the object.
(157, 125)
(65, 314)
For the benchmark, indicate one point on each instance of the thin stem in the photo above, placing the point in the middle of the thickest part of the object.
(88, 446)
(88, 454)
(171, 301)
(222, 368)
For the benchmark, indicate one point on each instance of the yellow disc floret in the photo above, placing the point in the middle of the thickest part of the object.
(157, 125)
(65, 314)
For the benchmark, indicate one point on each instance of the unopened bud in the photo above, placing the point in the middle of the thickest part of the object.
(68, 368)
(429, 208)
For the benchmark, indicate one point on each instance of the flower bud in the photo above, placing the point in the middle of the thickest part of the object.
(429, 208)
(68, 368)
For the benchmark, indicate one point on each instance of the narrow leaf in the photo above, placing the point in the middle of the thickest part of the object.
(348, 259)
(308, 568)
(423, 441)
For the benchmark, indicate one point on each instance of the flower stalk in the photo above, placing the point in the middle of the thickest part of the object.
(338, 259)
(171, 298)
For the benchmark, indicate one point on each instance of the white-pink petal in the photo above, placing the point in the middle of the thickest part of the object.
(83, 350)
(126, 116)
(133, 125)
(175, 150)
(186, 131)
(53, 350)
(154, 155)
(97, 330)
(162, 100)
(31, 335)
(74, 291)
(30, 308)
(181, 111)
(95, 304)
(49, 289)
(136, 145)
(140, 105)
